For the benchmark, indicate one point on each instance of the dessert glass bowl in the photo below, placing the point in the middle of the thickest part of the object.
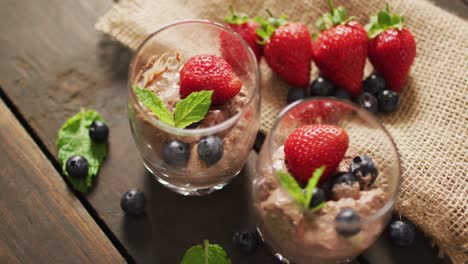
(298, 235)
(179, 42)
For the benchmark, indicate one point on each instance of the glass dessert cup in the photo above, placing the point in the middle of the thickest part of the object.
(300, 235)
(156, 66)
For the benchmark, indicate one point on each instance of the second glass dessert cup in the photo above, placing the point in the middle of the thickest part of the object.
(357, 204)
(233, 125)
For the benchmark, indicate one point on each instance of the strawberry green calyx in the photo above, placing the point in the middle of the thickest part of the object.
(337, 16)
(382, 21)
(269, 25)
(236, 18)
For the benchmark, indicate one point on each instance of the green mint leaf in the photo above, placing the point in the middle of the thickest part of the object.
(192, 109)
(312, 183)
(73, 139)
(206, 254)
(292, 187)
(151, 101)
(318, 207)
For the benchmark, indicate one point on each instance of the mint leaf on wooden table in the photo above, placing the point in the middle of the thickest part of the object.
(151, 101)
(293, 188)
(205, 254)
(73, 139)
(189, 110)
(192, 109)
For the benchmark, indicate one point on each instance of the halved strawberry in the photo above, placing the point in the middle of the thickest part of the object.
(309, 147)
(211, 73)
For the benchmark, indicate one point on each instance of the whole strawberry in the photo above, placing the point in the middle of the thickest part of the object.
(212, 73)
(247, 29)
(340, 50)
(309, 147)
(287, 50)
(392, 48)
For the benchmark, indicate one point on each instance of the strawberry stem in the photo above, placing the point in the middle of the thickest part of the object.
(383, 21)
(330, 5)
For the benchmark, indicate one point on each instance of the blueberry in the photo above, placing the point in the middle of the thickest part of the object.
(176, 153)
(368, 102)
(318, 197)
(246, 241)
(210, 150)
(322, 87)
(344, 178)
(401, 232)
(348, 222)
(133, 202)
(99, 132)
(342, 94)
(345, 185)
(389, 101)
(374, 84)
(77, 166)
(295, 94)
(364, 169)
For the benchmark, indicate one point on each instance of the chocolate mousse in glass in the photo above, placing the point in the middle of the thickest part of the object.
(350, 206)
(206, 155)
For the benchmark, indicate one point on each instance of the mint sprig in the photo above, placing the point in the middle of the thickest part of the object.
(293, 188)
(189, 110)
(206, 254)
(382, 21)
(73, 139)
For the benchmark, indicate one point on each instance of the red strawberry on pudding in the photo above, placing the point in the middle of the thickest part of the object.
(287, 49)
(221, 79)
(392, 48)
(309, 147)
(340, 49)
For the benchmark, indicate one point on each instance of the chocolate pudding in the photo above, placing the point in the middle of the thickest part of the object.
(305, 236)
(238, 117)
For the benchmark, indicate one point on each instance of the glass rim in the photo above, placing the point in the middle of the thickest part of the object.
(197, 131)
(392, 199)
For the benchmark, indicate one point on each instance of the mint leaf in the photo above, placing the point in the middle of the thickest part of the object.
(205, 254)
(73, 139)
(312, 183)
(192, 109)
(291, 185)
(318, 207)
(151, 101)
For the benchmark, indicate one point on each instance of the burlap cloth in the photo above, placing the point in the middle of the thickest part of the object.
(431, 127)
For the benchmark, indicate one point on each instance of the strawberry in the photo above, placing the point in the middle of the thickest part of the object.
(340, 50)
(311, 146)
(287, 49)
(247, 29)
(392, 48)
(209, 72)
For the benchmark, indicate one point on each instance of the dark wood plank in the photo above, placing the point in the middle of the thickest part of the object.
(53, 63)
(41, 220)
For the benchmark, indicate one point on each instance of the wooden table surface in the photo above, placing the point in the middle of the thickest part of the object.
(53, 63)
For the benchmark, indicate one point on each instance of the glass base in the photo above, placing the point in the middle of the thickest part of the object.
(189, 191)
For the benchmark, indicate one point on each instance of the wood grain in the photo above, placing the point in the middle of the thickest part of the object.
(41, 220)
(53, 63)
